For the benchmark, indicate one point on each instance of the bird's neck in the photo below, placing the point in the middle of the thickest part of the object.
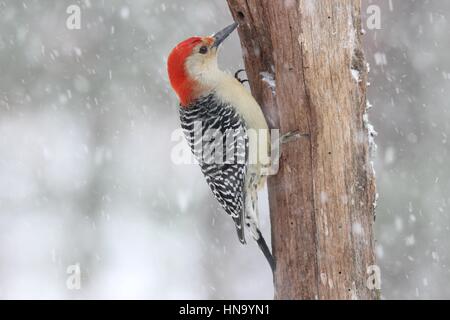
(200, 83)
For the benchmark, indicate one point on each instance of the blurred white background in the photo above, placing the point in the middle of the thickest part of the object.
(86, 176)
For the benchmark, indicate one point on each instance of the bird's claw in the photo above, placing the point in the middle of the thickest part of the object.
(292, 135)
(236, 75)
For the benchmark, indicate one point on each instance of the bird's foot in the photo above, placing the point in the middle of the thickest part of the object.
(236, 75)
(292, 135)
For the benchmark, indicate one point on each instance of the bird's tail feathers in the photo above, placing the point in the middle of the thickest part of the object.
(265, 250)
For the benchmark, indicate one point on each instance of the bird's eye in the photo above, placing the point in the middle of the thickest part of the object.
(203, 50)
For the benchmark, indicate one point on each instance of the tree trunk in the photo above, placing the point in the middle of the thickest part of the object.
(322, 199)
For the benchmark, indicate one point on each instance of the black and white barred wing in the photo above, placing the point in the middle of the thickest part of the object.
(218, 139)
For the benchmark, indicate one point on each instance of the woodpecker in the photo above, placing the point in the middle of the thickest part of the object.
(218, 113)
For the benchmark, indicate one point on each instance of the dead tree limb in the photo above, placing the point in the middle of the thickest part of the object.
(322, 200)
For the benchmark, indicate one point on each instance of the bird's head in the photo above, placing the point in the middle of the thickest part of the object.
(192, 65)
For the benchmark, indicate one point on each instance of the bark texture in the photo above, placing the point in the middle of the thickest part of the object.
(322, 200)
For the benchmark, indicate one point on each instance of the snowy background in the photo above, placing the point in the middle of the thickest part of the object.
(86, 176)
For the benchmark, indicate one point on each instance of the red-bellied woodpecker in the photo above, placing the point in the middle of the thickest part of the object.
(222, 123)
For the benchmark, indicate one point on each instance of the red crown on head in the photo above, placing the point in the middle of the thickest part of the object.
(179, 78)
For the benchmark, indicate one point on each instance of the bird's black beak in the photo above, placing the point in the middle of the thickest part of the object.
(220, 36)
